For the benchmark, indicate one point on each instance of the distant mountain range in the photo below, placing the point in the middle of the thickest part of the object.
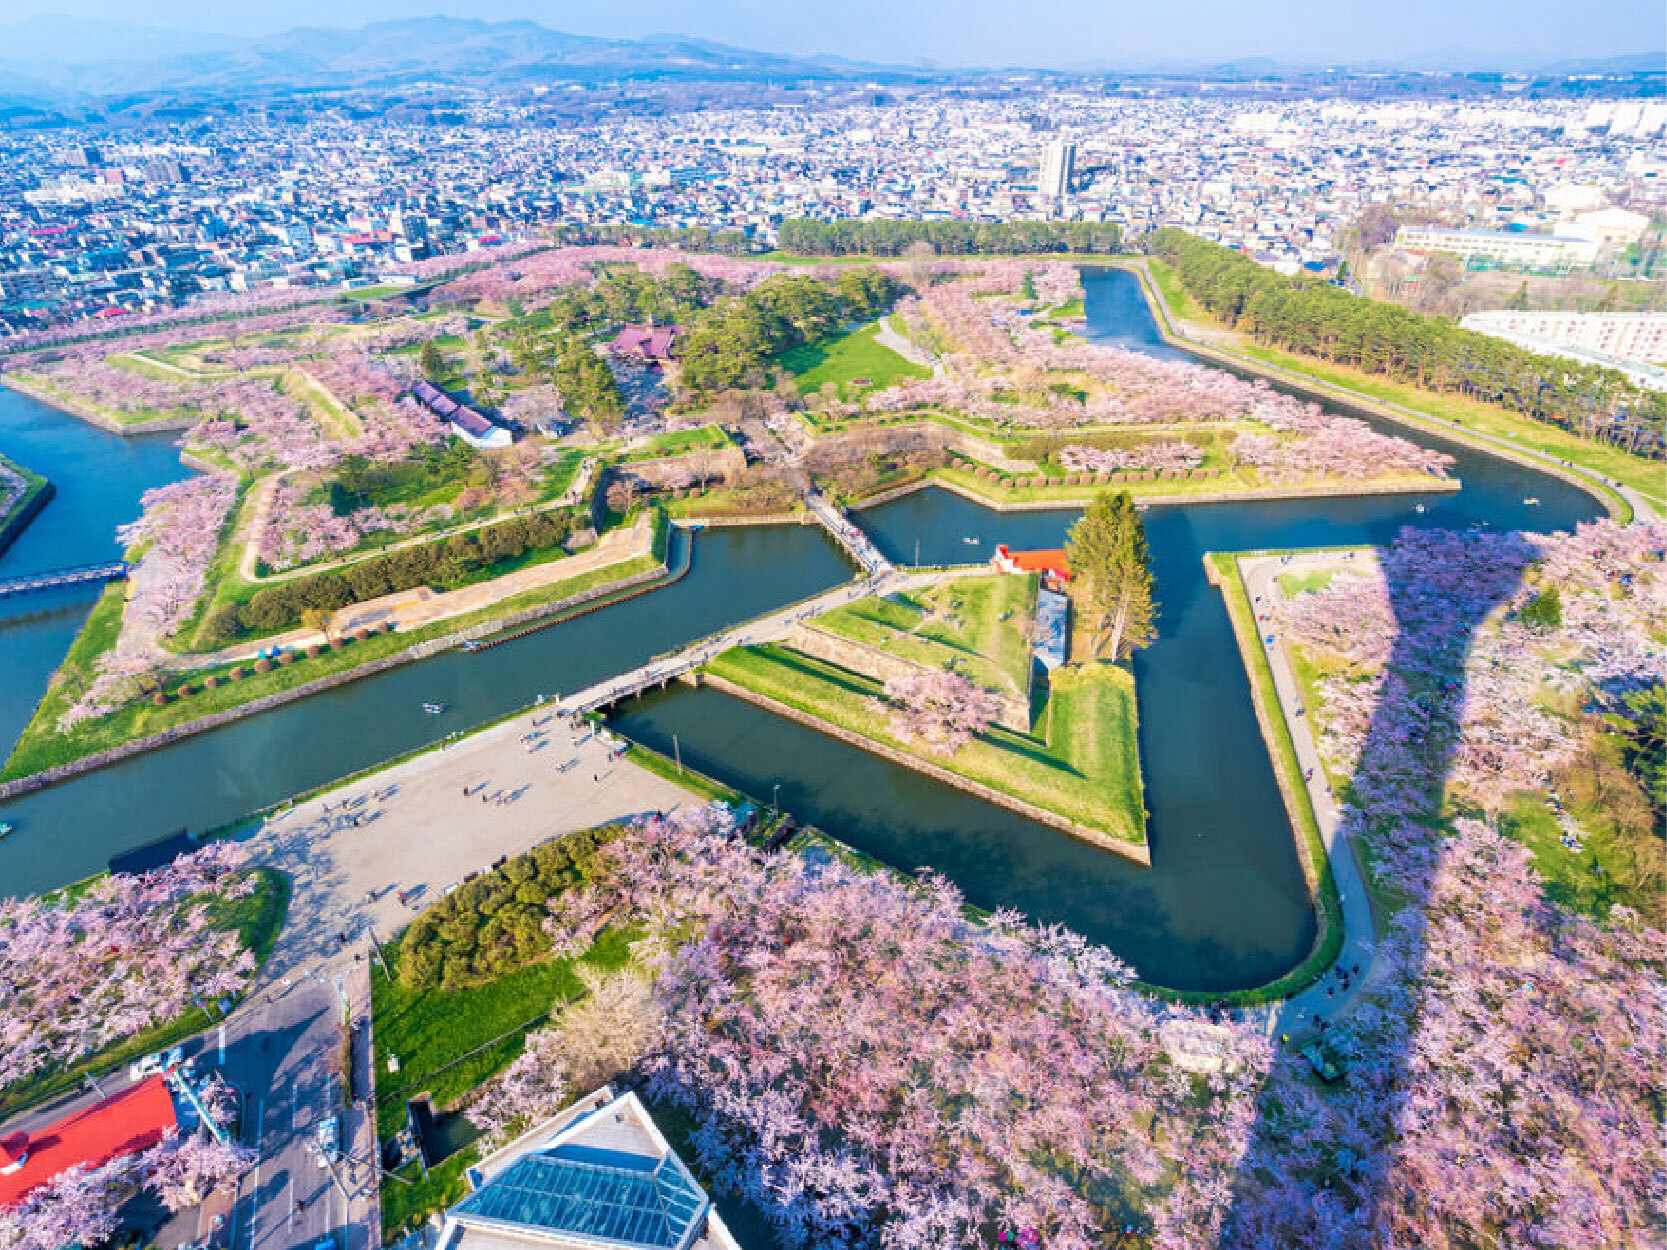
(55, 58)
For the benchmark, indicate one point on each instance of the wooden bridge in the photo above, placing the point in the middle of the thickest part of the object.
(54, 579)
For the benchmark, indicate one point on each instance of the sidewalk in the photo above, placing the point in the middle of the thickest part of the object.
(1298, 1015)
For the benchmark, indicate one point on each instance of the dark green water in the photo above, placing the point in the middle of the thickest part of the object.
(1222, 906)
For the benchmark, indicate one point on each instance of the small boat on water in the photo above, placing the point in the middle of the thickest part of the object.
(434, 709)
(1532, 501)
(6, 827)
(1418, 508)
(971, 542)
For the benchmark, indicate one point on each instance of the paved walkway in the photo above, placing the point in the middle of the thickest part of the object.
(888, 337)
(418, 828)
(1298, 1015)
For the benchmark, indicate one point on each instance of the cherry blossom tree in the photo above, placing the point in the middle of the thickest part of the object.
(939, 711)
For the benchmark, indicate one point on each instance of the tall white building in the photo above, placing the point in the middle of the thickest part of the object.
(1058, 160)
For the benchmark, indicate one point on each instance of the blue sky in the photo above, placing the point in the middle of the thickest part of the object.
(1011, 32)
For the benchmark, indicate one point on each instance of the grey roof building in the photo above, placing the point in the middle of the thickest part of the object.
(598, 1176)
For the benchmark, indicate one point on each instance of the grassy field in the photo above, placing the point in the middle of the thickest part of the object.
(256, 918)
(1180, 302)
(1080, 761)
(680, 442)
(1294, 584)
(448, 1042)
(846, 358)
(42, 746)
(977, 625)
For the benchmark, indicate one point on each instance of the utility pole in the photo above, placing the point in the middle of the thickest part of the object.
(677, 754)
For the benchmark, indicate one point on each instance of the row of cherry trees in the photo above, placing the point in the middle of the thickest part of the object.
(871, 1067)
(1505, 1069)
(175, 538)
(82, 972)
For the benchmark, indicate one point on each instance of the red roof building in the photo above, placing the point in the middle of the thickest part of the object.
(133, 1120)
(1049, 563)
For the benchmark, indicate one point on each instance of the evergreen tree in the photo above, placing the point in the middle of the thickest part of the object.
(433, 361)
(1112, 567)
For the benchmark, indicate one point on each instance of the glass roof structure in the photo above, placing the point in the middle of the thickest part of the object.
(612, 1198)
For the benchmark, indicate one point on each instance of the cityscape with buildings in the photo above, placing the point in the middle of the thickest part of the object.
(617, 642)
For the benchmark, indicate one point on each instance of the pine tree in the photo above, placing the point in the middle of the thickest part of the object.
(433, 361)
(1112, 566)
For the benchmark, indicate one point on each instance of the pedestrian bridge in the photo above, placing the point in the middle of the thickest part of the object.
(53, 579)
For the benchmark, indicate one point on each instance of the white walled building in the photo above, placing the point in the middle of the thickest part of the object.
(1640, 337)
(1518, 249)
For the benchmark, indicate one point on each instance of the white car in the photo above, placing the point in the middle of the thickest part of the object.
(327, 1137)
(151, 1065)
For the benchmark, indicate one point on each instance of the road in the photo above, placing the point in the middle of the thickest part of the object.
(1299, 1015)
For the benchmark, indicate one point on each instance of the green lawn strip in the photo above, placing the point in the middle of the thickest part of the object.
(336, 421)
(1176, 296)
(1294, 584)
(450, 1041)
(695, 782)
(257, 917)
(989, 643)
(1284, 753)
(844, 358)
(680, 442)
(1088, 772)
(41, 746)
(406, 1206)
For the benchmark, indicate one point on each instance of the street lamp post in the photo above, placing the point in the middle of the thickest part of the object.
(775, 794)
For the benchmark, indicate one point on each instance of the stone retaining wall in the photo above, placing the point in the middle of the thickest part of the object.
(1138, 852)
(28, 508)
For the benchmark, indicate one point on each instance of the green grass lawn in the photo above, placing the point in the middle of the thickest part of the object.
(1591, 880)
(449, 1041)
(844, 358)
(1180, 302)
(1294, 584)
(978, 624)
(1080, 761)
(256, 918)
(679, 442)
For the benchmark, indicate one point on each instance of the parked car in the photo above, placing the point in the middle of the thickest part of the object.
(328, 1137)
(150, 1065)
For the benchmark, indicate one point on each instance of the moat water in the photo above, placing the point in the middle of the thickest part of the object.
(1222, 906)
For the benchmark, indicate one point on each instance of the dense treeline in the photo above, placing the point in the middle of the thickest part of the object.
(1303, 314)
(443, 564)
(495, 924)
(729, 344)
(947, 238)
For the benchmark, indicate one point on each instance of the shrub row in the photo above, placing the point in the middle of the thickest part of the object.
(263, 665)
(493, 924)
(442, 564)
